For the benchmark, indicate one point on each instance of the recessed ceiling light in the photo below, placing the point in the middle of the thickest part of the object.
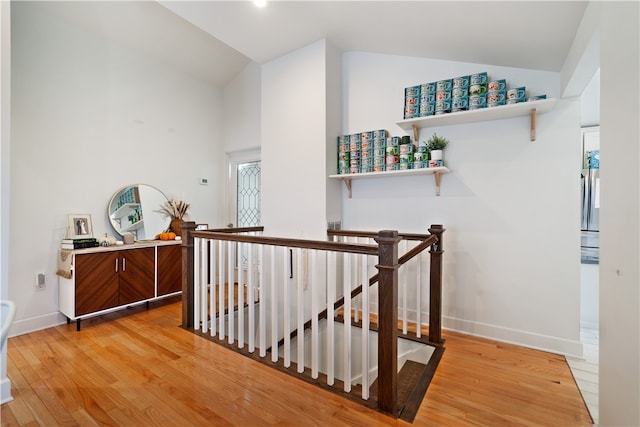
(260, 3)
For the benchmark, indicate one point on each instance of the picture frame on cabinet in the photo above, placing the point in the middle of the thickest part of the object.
(202, 227)
(79, 226)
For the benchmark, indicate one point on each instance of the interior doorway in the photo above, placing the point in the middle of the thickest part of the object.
(244, 181)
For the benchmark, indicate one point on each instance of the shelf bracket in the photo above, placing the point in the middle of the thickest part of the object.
(347, 183)
(533, 124)
(416, 133)
(436, 176)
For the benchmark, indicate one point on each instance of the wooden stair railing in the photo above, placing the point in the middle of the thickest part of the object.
(387, 277)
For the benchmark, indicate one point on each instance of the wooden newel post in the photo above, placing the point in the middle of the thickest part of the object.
(388, 320)
(435, 286)
(187, 273)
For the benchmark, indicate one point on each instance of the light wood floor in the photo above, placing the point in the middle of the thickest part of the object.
(139, 368)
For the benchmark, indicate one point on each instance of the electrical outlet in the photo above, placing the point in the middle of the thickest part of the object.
(40, 281)
(204, 181)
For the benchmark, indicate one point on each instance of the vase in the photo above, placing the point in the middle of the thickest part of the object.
(436, 155)
(176, 226)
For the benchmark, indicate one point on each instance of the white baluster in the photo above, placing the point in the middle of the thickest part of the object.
(240, 296)
(314, 314)
(346, 354)
(196, 291)
(285, 302)
(274, 311)
(230, 290)
(365, 331)
(331, 298)
(221, 289)
(250, 298)
(212, 286)
(300, 304)
(262, 317)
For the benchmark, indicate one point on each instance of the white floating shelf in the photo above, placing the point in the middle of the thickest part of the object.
(530, 108)
(346, 178)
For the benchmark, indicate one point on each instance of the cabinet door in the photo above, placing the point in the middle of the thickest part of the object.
(169, 269)
(96, 282)
(137, 275)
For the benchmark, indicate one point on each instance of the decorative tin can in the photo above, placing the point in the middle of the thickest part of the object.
(391, 150)
(428, 87)
(355, 154)
(477, 101)
(393, 167)
(435, 163)
(459, 104)
(391, 159)
(366, 136)
(354, 169)
(379, 152)
(378, 168)
(460, 82)
(517, 93)
(419, 156)
(406, 158)
(497, 85)
(366, 144)
(344, 147)
(379, 144)
(378, 160)
(343, 155)
(443, 95)
(354, 145)
(427, 109)
(411, 91)
(393, 140)
(365, 154)
(379, 134)
(404, 166)
(443, 85)
(418, 164)
(478, 78)
(411, 100)
(411, 111)
(496, 98)
(366, 162)
(443, 107)
(427, 97)
(406, 148)
(343, 164)
(478, 89)
(457, 92)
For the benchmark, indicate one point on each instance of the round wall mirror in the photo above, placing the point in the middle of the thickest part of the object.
(134, 209)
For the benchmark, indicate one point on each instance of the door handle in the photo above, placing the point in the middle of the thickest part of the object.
(124, 264)
(116, 266)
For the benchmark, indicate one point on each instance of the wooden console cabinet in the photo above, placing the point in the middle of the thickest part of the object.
(107, 279)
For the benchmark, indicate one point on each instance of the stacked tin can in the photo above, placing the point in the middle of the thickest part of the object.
(460, 93)
(378, 155)
(366, 151)
(391, 150)
(427, 99)
(421, 157)
(478, 85)
(411, 102)
(343, 154)
(405, 153)
(443, 96)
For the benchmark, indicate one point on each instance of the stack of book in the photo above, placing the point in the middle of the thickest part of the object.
(89, 242)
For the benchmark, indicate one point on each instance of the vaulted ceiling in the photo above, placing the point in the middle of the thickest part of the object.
(214, 40)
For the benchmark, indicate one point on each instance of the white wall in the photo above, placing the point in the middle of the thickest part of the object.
(511, 207)
(5, 135)
(620, 215)
(294, 138)
(88, 117)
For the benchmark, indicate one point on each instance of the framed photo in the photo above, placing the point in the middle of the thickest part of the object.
(202, 227)
(79, 226)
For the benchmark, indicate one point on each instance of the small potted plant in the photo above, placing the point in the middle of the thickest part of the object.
(435, 145)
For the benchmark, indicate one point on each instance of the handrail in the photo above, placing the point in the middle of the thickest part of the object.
(373, 234)
(236, 229)
(321, 245)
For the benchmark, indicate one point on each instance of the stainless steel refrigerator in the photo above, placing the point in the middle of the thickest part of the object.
(590, 177)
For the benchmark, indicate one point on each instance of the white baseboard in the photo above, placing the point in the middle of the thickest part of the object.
(5, 391)
(513, 336)
(24, 326)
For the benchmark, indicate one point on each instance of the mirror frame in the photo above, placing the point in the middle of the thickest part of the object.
(117, 227)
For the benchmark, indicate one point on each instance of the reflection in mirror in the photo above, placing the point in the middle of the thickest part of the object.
(134, 209)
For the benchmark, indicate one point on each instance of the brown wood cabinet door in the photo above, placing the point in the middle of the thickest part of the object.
(96, 282)
(137, 275)
(169, 269)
